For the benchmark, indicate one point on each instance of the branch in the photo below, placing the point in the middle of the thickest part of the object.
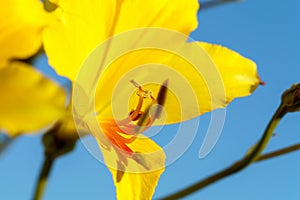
(252, 155)
(290, 102)
(53, 147)
(279, 152)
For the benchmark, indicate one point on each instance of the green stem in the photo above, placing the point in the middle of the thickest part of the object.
(43, 177)
(253, 153)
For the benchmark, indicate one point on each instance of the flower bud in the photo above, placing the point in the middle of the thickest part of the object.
(290, 99)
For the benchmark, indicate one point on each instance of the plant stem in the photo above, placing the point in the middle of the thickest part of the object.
(252, 154)
(279, 152)
(43, 177)
(53, 148)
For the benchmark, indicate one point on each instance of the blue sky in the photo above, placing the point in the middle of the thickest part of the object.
(265, 31)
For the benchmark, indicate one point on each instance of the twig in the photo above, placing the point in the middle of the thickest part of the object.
(43, 177)
(253, 153)
(279, 152)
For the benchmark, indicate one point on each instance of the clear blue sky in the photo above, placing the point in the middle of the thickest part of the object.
(267, 32)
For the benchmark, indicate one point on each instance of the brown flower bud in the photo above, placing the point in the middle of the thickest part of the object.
(290, 99)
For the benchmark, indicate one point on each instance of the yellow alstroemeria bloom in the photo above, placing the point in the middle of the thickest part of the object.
(136, 162)
(28, 100)
(20, 28)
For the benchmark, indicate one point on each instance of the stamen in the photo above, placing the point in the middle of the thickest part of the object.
(116, 133)
(146, 120)
(121, 133)
(135, 114)
(137, 110)
(120, 144)
(134, 118)
(144, 93)
(143, 121)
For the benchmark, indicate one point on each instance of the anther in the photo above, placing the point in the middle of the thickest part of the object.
(144, 93)
(135, 84)
(146, 119)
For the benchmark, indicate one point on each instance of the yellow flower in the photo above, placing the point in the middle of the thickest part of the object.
(77, 27)
(71, 32)
(20, 28)
(28, 101)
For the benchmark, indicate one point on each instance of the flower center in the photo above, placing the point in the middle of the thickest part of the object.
(123, 132)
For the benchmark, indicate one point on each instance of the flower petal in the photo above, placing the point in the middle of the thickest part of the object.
(20, 28)
(158, 13)
(28, 101)
(238, 73)
(136, 182)
(79, 26)
(200, 80)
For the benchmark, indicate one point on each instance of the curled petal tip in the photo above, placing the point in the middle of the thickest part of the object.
(262, 83)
